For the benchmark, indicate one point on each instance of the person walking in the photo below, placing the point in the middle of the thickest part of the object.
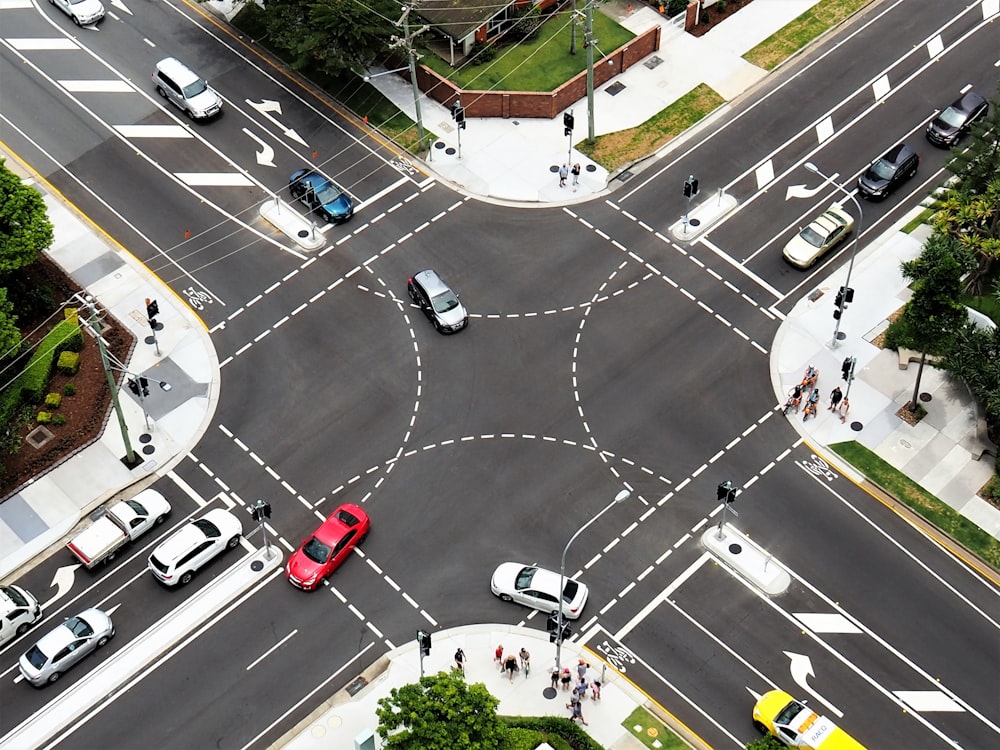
(576, 176)
(581, 688)
(525, 660)
(460, 661)
(581, 669)
(510, 665)
(498, 657)
(835, 396)
(554, 678)
(563, 174)
(565, 678)
(577, 712)
(595, 690)
(845, 406)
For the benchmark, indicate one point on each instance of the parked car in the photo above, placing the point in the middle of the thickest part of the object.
(83, 12)
(188, 91)
(438, 301)
(321, 194)
(888, 172)
(192, 546)
(823, 234)
(60, 649)
(121, 524)
(19, 610)
(948, 127)
(328, 547)
(538, 588)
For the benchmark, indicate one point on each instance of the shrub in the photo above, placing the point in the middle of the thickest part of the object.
(53, 400)
(68, 363)
(33, 381)
(44, 417)
(59, 419)
(991, 490)
(69, 389)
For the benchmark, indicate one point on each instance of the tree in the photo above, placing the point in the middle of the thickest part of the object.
(25, 229)
(973, 220)
(933, 315)
(10, 336)
(441, 712)
(975, 358)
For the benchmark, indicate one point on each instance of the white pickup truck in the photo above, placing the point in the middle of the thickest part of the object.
(121, 524)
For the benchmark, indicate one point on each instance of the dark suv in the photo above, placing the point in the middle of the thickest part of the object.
(884, 175)
(957, 120)
(439, 303)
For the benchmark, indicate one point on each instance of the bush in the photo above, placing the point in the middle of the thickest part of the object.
(559, 732)
(69, 389)
(59, 420)
(53, 400)
(991, 490)
(44, 417)
(64, 336)
(68, 363)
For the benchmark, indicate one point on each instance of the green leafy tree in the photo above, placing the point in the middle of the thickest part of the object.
(973, 220)
(10, 336)
(25, 229)
(933, 315)
(441, 712)
(975, 358)
(767, 743)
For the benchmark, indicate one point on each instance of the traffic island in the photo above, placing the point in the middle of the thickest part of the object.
(702, 217)
(737, 552)
(292, 224)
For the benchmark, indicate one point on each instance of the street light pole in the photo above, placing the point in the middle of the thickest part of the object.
(854, 250)
(620, 497)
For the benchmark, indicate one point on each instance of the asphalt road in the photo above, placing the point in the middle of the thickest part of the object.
(598, 354)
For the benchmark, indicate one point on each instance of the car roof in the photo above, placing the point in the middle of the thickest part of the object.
(898, 153)
(968, 101)
(181, 73)
(332, 530)
(432, 283)
(190, 535)
(60, 636)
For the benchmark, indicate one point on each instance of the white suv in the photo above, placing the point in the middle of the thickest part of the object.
(176, 560)
(177, 83)
(19, 610)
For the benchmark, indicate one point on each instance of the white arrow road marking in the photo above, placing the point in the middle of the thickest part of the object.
(121, 6)
(265, 107)
(802, 669)
(823, 622)
(265, 157)
(923, 701)
(214, 179)
(63, 581)
(111, 610)
(801, 191)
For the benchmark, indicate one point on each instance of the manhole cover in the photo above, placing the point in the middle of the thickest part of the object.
(439, 144)
(694, 222)
(841, 335)
(256, 566)
(615, 88)
(550, 693)
(303, 233)
(856, 426)
(450, 151)
(145, 437)
(652, 62)
(925, 397)
(357, 686)
(150, 339)
(593, 168)
(39, 436)
(148, 449)
(554, 168)
(735, 549)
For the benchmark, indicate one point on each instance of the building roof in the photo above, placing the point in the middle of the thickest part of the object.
(459, 18)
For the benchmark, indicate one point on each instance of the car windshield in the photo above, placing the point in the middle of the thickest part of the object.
(789, 712)
(316, 551)
(79, 628)
(193, 89)
(444, 302)
(953, 117)
(209, 529)
(813, 237)
(329, 193)
(524, 578)
(569, 591)
(36, 658)
(15, 596)
(882, 169)
(137, 507)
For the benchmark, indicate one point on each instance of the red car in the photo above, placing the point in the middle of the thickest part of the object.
(328, 547)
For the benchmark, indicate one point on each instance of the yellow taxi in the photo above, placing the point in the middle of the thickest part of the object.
(779, 714)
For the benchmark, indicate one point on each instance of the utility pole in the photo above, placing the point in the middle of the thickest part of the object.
(591, 43)
(407, 43)
(572, 31)
(95, 328)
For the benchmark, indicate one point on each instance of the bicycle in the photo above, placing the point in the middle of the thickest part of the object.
(525, 662)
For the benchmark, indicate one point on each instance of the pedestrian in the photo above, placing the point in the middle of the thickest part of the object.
(554, 677)
(577, 711)
(565, 678)
(510, 665)
(498, 657)
(809, 411)
(525, 660)
(796, 396)
(460, 661)
(595, 690)
(581, 669)
(814, 400)
(581, 688)
(835, 396)
(563, 174)
(576, 176)
(810, 378)
(845, 406)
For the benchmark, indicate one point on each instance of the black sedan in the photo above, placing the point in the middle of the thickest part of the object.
(957, 120)
(887, 173)
(321, 194)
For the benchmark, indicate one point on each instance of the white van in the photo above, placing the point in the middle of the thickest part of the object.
(19, 610)
(176, 82)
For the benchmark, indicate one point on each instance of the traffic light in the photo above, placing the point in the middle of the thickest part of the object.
(458, 114)
(424, 639)
(690, 187)
(726, 491)
(144, 386)
(848, 295)
(687, 189)
(568, 123)
(133, 386)
(260, 511)
(838, 301)
(847, 368)
(152, 310)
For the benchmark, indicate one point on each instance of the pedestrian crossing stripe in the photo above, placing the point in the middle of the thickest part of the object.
(153, 131)
(925, 701)
(214, 179)
(826, 622)
(49, 43)
(105, 86)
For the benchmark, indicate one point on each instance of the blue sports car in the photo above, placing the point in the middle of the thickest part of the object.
(322, 195)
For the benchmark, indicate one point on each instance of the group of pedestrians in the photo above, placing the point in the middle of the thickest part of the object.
(839, 405)
(565, 171)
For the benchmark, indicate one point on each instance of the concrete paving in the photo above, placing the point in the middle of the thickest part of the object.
(942, 452)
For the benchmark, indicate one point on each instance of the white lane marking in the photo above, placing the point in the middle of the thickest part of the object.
(385, 191)
(15, 4)
(187, 488)
(824, 129)
(53, 43)
(214, 179)
(926, 701)
(934, 47)
(826, 622)
(273, 648)
(764, 174)
(657, 600)
(105, 86)
(881, 87)
(154, 131)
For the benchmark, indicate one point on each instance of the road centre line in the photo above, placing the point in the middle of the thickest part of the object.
(277, 645)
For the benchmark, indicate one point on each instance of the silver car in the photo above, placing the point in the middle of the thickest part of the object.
(189, 92)
(83, 12)
(438, 301)
(538, 588)
(63, 647)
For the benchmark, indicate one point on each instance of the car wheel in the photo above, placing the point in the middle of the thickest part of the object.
(506, 598)
(760, 728)
(189, 113)
(103, 641)
(54, 676)
(22, 628)
(363, 537)
(186, 578)
(161, 519)
(161, 92)
(231, 544)
(437, 325)
(76, 20)
(111, 556)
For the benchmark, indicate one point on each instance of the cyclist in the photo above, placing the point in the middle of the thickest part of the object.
(525, 660)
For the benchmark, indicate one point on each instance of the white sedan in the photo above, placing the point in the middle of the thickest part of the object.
(537, 588)
(826, 232)
(63, 647)
(83, 12)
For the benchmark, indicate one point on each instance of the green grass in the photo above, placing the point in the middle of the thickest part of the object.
(625, 146)
(923, 217)
(922, 502)
(542, 64)
(787, 41)
(648, 729)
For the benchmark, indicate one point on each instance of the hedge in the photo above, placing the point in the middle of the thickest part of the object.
(33, 381)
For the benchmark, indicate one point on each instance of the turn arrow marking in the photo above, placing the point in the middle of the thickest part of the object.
(801, 669)
(265, 157)
(63, 581)
(265, 107)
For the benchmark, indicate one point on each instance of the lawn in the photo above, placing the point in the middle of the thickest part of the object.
(922, 502)
(787, 41)
(542, 64)
(652, 732)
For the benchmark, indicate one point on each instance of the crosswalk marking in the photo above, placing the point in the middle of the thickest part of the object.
(214, 179)
(824, 622)
(50, 43)
(153, 131)
(103, 86)
(924, 701)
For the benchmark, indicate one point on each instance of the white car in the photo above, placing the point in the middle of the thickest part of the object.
(60, 649)
(826, 232)
(83, 12)
(176, 560)
(537, 588)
